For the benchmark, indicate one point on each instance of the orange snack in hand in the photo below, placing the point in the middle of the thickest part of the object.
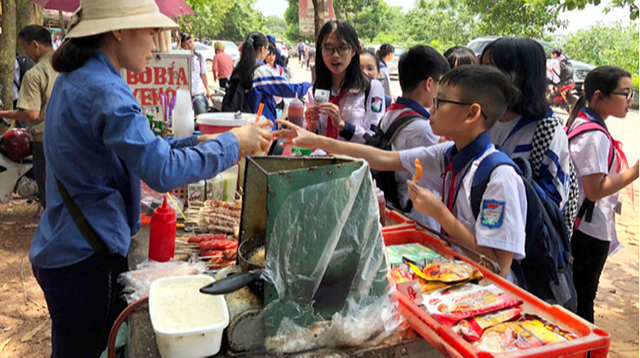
(418, 173)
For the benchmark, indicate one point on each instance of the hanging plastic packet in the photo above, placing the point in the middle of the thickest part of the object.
(473, 328)
(452, 307)
(529, 332)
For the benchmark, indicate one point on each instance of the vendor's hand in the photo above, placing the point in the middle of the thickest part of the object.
(254, 137)
(425, 201)
(298, 135)
(333, 111)
(312, 116)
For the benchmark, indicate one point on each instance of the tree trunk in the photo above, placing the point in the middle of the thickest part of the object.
(27, 14)
(318, 15)
(8, 51)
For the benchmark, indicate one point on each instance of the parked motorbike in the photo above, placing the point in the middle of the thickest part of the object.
(16, 175)
(564, 95)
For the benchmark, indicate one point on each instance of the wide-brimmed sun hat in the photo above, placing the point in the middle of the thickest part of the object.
(95, 17)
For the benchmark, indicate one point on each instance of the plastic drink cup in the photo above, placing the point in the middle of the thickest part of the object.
(296, 112)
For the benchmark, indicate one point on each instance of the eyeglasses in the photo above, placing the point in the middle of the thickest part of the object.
(341, 50)
(437, 101)
(629, 95)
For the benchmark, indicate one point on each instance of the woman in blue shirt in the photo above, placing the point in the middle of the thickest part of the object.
(100, 148)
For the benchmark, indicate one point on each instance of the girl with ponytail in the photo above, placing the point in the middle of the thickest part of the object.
(602, 171)
(258, 81)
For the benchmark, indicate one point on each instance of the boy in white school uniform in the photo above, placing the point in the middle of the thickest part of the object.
(470, 99)
(420, 71)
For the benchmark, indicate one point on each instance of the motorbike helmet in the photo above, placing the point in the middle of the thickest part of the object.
(271, 38)
(17, 143)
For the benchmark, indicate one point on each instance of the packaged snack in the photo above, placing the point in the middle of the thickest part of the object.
(450, 271)
(529, 332)
(414, 252)
(398, 275)
(450, 308)
(473, 328)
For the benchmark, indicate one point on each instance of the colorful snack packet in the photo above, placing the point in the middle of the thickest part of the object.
(473, 328)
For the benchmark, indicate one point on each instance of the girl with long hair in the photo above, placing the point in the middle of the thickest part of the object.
(259, 81)
(602, 171)
(356, 102)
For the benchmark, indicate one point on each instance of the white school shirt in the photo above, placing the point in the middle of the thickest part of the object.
(354, 111)
(590, 155)
(416, 134)
(554, 172)
(198, 67)
(505, 188)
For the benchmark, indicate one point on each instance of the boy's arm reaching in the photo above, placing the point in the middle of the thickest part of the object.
(378, 159)
(429, 204)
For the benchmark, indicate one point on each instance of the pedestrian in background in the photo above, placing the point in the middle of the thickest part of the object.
(222, 65)
(33, 98)
(199, 84)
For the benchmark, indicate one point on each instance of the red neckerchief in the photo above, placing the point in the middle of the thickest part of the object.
(332, 130)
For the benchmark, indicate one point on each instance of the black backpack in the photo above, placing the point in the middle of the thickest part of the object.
(566, 70)
(386, 180)
(547, 270)
(235, 97)
(25, 64)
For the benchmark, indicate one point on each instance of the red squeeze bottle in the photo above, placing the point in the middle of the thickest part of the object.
(162, 238)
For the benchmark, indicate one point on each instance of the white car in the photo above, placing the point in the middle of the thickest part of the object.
(393, 64)
(284, 50)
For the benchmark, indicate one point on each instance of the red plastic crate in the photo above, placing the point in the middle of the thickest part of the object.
(395, 220)
(591, 339)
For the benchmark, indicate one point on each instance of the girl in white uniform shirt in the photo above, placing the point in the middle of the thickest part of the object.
(608, 92)
(524, 60)
(348, 115)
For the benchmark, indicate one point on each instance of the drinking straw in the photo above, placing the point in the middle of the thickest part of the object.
(259, 112)
(176, 205)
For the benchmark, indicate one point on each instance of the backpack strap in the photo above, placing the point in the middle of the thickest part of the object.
(483, 175)
(586, 209)
(593, 126)
(388, 136)
(542, 137)
(367, 92)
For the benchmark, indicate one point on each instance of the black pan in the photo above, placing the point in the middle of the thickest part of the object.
(250, 276)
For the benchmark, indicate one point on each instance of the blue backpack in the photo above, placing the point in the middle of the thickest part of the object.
(546, 271)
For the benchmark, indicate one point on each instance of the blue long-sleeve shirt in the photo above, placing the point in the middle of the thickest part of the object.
(98, 144)
(266, 84)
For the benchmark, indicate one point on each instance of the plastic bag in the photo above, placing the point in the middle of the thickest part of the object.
(151, 199)
(342, 268)
(137, 282)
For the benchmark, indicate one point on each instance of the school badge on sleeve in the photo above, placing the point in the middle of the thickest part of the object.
(376, 104)
(492, 213)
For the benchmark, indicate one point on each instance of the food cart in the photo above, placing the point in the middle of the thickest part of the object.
(329, 257)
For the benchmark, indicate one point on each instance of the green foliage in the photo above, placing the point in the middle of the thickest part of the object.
(580, 4)
(438, 23)
(600, 45)
(276, 26)
(222, 19)
(515, 17)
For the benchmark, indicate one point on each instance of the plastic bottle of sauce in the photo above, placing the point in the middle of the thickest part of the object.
(296, 111)
(162, 237)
